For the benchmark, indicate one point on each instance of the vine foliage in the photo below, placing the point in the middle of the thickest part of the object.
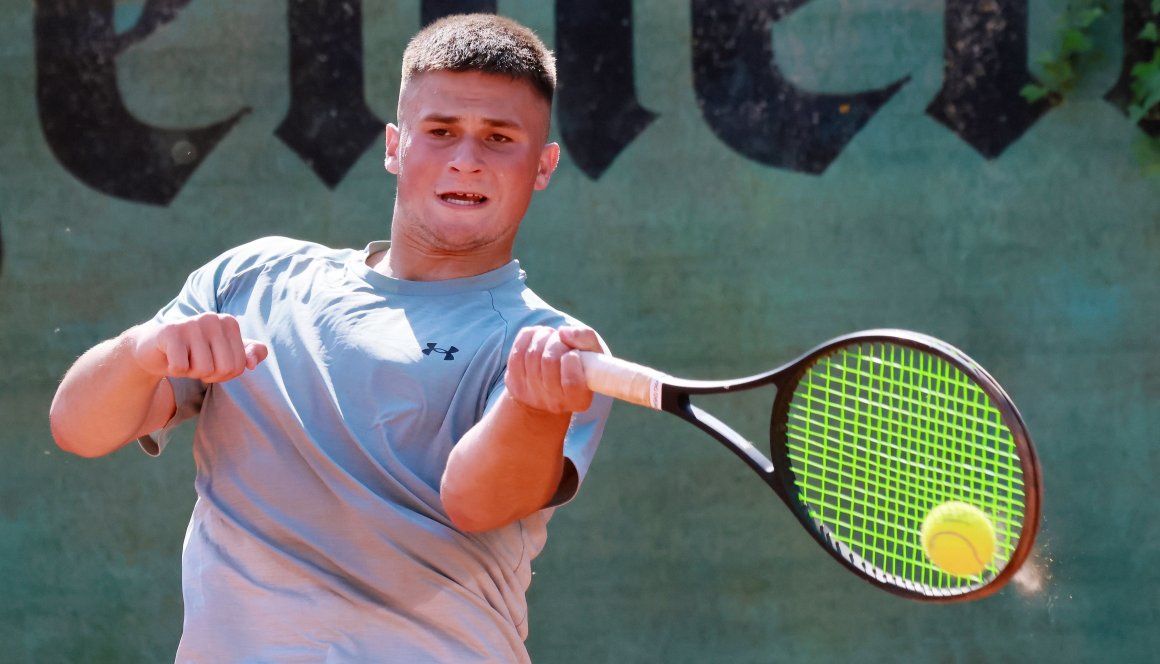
(1077, 51)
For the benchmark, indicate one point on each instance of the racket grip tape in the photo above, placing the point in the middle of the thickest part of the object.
(623, 380)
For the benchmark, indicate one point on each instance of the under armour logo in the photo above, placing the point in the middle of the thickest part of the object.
(448, 353)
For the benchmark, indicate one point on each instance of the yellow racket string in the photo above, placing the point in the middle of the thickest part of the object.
(879, 434)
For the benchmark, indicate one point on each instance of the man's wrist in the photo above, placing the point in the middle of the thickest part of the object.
(529, 411)
(129, 349)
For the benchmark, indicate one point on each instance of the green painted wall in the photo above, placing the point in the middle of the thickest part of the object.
(1043, 263)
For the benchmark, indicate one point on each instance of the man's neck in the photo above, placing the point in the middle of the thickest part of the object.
(403, 262)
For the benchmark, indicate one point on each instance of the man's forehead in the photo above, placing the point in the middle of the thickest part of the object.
(457, 94)
(452, 77)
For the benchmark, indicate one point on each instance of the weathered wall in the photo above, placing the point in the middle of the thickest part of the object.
(740, 181)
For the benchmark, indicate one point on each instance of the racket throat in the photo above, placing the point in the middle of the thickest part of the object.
(732, 440)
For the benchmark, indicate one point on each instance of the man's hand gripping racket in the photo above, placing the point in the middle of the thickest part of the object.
(870, 432)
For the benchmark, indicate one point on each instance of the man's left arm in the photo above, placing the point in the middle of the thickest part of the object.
(511, 463)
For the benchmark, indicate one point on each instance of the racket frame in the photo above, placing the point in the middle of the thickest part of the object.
(674, 395)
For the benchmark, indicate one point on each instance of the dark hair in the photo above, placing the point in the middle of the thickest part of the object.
(483, 43)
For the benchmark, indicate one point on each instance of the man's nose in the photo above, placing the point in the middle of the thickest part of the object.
(467, 157)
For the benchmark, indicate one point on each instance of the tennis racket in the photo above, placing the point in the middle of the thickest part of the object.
(869, 432)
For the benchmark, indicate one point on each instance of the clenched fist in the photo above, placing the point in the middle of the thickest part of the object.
(208, 347)
(544, 371)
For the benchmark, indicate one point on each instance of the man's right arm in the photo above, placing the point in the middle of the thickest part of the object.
(115, 392)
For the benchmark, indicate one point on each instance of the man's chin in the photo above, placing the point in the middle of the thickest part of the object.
(461, 243)
(458, 236)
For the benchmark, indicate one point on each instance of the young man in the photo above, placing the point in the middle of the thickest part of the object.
(383, 434)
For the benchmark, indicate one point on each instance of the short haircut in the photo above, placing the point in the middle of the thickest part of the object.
(484, 43)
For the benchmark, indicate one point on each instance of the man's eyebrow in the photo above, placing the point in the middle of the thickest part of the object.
(498, 123)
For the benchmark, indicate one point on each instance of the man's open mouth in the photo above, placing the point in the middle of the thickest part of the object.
(462, 198)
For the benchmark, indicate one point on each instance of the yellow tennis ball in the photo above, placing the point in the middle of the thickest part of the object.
(958, 538)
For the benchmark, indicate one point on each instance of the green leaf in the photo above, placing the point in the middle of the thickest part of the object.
(1085, 18)
(1075, 41)
(1150, 100)
(1033, 93)
(1145, 95)
(1145, 77)
(1147, 151)
(1149, 33)
(1156, 6)
(1059, 74)
(1045, 58)
(1135, 113)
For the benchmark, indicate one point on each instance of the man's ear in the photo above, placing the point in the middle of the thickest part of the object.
(549, 160)
(391, 162)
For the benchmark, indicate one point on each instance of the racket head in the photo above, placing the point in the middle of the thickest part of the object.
(872, 430)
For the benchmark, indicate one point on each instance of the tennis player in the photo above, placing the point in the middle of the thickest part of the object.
(382, 434)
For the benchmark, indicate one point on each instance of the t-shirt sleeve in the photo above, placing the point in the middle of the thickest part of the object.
(201, 294)
(188, 394)
(580, 443)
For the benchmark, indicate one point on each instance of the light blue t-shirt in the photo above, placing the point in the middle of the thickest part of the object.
(318, 534)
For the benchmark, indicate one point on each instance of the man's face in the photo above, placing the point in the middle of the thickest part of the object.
(468, 152)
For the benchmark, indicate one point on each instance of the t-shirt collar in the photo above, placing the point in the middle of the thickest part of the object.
(479, 282)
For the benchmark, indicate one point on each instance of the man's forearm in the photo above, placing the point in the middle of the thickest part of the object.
(506, 467)
(106, 400)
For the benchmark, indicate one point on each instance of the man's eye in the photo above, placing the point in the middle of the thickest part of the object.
(439, 131)
(500, 138)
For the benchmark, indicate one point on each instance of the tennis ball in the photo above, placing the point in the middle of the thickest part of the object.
(958, 538)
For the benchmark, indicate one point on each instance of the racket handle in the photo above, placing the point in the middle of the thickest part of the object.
(623, 380)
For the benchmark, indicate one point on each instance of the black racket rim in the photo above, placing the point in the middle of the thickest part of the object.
(845, 554)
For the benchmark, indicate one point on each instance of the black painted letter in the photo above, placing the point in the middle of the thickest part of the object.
(328, 124)
(598, 110)
(83, 116)
(985, 66)
(1136, 14)
(752, 107)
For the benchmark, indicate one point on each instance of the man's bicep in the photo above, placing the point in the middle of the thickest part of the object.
(162, 408)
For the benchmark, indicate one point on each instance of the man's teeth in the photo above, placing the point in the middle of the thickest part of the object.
(460, 198)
